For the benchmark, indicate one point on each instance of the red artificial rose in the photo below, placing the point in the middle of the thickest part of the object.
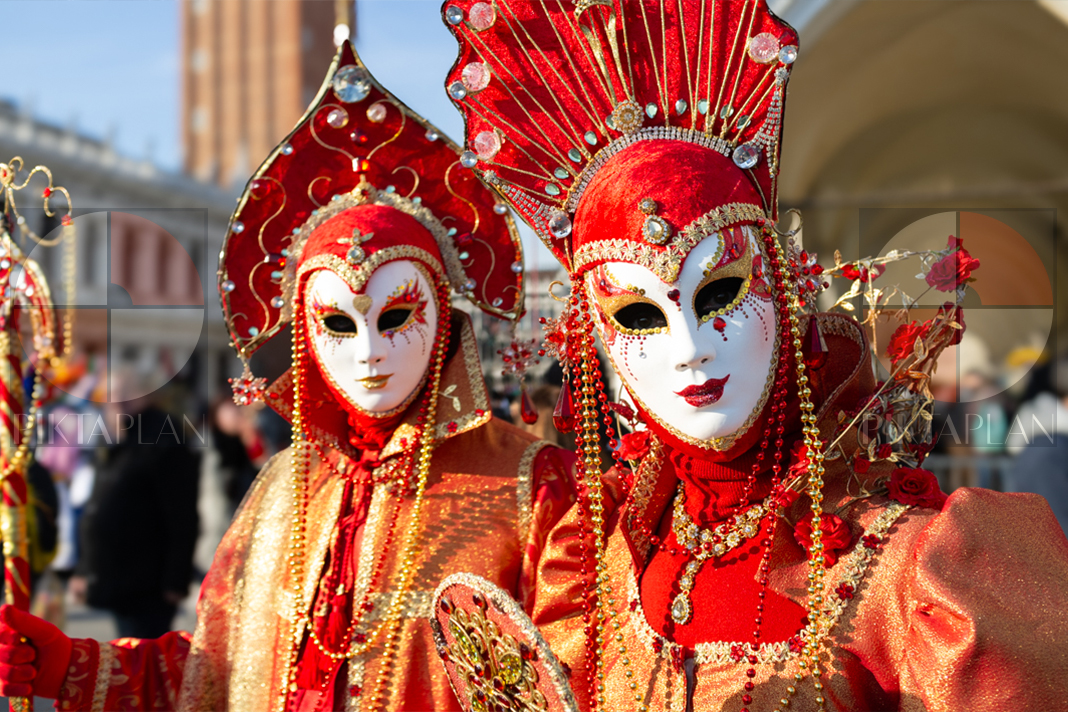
(855, 272)
(953, 269)
(953, 313)
(915, 486)
(903, 340)
(634, 446)
(861, 465)
(835, 536)
(798, 461)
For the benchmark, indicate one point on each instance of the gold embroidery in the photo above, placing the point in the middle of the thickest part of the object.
(103, 676)
(524, 490)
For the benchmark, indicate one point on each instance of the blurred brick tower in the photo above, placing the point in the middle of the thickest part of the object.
(249, 69)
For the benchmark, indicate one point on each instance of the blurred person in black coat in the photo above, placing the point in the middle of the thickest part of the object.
(140, 525)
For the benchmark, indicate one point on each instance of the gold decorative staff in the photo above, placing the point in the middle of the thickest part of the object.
(24, 291)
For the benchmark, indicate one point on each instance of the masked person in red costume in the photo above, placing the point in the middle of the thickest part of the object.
(640, 139)
(352, 233)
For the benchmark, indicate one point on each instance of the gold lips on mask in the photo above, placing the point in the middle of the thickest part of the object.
(373, 383)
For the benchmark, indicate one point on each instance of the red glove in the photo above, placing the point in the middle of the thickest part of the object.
(34, 655)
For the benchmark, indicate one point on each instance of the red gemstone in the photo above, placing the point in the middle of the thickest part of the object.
(719, 324)
(564, 412)
(526, 408)
(673, 295)
(47, 192)
(355, 690)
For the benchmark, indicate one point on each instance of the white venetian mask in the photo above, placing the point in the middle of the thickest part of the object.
(374, 347)
(697, 354)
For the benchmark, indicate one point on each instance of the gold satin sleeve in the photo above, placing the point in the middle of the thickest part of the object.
(986, 610)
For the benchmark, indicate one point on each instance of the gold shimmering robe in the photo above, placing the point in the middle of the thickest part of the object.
(493, 493)
(955, 610)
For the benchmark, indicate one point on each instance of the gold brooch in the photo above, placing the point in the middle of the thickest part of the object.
(656, 229)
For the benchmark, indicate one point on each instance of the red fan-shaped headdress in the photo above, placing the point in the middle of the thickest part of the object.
(588, 116)
(358, 147)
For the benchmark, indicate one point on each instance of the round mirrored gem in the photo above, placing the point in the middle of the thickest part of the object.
(500, 209)
(788, 54)
(5, 264)
(287, 150)
(591, 138)
(351, 84)
(702, 106)
(746, 156)
(228, 286)
(517, 266)
(681, 106)
(337, 118)
(469, 285)
(764, 48)
(457, 90)
(574, 155)
(476, 76)
(432, 135)
(482, 16)
(560, 224)
(454, 15)
(552, 189)
(277, 302)
(561, 173)
(376, 113)
(486, 144)
(468, 159)
(238, 227)
(650, 110)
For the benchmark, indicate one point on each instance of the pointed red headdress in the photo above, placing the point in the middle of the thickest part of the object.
(624, 129)
(360, 181)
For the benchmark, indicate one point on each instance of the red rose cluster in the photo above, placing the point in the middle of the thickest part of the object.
(916, 487)
(954, 269)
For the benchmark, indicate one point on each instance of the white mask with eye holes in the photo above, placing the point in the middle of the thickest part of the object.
(374, 347)
(697, 354)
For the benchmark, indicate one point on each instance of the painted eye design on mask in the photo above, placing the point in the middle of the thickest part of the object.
(335, 322)
(719, 296)
(639, 318)
(628, 310)
(405, 308)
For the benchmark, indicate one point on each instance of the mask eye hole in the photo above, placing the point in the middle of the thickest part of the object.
(640, 317)
(339, 324)
(394, 319)
(716, 296)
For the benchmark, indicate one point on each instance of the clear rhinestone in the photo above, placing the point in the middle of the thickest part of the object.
(686, 581)
(227, 286)
(560, 224)
(287, 150)
(355, 254)
(351, 84)
(482, 16)
(552, 189)
(591, 138)
(454, 15)
(650, 110)
(238, 227)
(574, 155)
(743, 121)
(475, 76)
(788, 54)
(278, 302)
(457, 90)
(702, 106)
(338, 118)
(432, 135)
(376, 113)
(610, 122)
(726, 112)
(468, 159)
(681, 106)
(517, 266)
(764, 48)
(469, 285)
(561, 173)
(500, 209)
(487, 144)
(719, 550)
(498, 301)
(681, 610)
(5, 264)
(746, 156)
(692, 566)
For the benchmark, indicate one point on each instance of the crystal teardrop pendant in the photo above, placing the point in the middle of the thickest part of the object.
(564, 412)
(526, 408)
(815, 353)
